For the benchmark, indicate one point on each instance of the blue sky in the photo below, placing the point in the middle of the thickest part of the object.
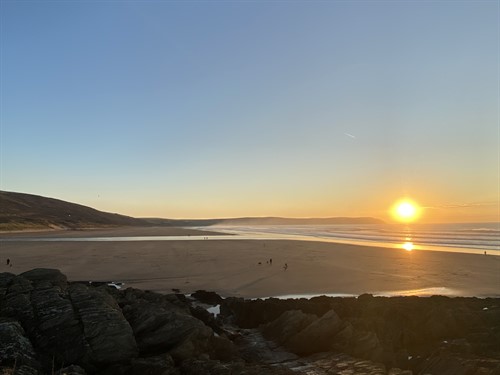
(236, 108)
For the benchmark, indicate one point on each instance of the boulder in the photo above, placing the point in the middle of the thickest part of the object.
(158, 330)
(287, 325)
(366, 345)
(319, 336)
(16, 302)
(46, 276)
(56, 329)
(15, 348)
(206, 317)
(210, 298)
(106, 331)
(5, 280)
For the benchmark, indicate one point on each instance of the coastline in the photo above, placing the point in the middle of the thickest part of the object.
(231, 266)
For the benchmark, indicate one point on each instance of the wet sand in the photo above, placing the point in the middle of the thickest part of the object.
(231, 267)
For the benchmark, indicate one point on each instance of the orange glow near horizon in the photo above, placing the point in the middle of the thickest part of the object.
(406, 210)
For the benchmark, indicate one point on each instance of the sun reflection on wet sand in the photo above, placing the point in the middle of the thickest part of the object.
(408, 246)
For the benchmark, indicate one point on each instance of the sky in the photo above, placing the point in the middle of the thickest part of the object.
(202, 109)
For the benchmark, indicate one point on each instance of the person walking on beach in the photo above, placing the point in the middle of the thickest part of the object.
(8, 262)
(285, 267)
(271, 261)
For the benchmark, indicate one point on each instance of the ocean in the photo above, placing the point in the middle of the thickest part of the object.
(466, 237)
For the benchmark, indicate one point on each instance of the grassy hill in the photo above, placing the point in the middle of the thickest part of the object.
(20, 211)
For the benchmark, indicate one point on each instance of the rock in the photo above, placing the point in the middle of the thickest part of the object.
(5, 280)
(159, 330)
(15, 347)
(107, 332)
(460, 346)
(208, 318)
(71, 370)
(339, 364)
(210, 298)
(443, 363)
(159, 365)
(319, 336)
(210, 367)
(46, 275)
(398, 371)
(56, 328)
(366, 345)
(253, 313)
(222, 349)
(287, 325)
(16, 302)
(46, 323)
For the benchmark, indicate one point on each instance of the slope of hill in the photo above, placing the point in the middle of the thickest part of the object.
(19, 211)
(25, 211)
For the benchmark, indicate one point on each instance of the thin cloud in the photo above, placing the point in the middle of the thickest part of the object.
(464, 205)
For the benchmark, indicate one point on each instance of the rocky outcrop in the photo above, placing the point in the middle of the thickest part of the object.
(400, 332)
(16, 349)
(50, 326)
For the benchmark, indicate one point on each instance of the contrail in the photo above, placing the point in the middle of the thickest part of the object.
(350, 135)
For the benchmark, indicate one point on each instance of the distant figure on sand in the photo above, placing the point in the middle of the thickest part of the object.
(8, 261)
(271, 261)
(285, 267)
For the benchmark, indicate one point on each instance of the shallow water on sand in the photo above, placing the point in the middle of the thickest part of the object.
(476, 238)
(463, 237)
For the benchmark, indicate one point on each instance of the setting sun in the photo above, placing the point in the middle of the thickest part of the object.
(405, 210)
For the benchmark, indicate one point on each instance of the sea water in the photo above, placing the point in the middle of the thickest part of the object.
(464, 237)
(471, 236)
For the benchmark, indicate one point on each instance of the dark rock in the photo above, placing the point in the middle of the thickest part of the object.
(56, 329)
(71, 370)
(460, 346)
(319, 336)
(46, 275)
(159, 365)
(340, 363)
(159, 330)
(221, 348)
(253, 313)
(16, 302)
(287, 325)
(366, 345)
(208, 318)
(46, 323)
(107, 332)
(20, 370)
(15, 347)
(210, 367)
(443, 363)
(210, 298)
(5, 280)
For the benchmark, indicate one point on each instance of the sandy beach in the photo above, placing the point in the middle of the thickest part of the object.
(235, 267)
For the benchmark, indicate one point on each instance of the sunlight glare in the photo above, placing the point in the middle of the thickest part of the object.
(408, 246)
(405, 210)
